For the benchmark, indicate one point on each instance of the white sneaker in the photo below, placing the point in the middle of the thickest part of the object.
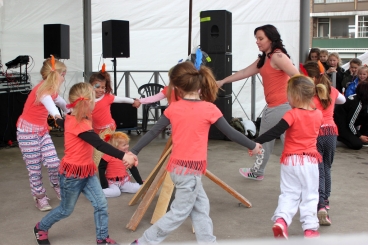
(42, 203)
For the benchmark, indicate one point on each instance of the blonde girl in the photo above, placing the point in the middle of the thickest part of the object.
(299, 159)
(362, 77)
(77, 170)
(114, 177)
(33, 136)
(334, 66)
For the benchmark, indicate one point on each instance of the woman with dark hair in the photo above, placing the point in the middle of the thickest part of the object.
(351, 116)
(276, 68)
(313, 55)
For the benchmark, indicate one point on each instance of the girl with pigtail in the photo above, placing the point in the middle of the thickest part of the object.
(190, 117)
(33, 132)
(78, 171)
(325, 100)
(102, 121)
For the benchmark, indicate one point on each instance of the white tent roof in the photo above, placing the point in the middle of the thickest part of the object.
(158, 31)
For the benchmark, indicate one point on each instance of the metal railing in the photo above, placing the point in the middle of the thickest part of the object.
(127, 78)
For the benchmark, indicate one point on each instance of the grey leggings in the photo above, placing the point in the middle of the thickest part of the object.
(271, 116)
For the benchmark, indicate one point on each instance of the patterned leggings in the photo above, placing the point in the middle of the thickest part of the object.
(37, 150)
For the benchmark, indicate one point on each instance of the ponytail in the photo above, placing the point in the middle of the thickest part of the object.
(208, 84)
(323, 83)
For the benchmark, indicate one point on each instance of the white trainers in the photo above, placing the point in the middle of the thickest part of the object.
(42, 203)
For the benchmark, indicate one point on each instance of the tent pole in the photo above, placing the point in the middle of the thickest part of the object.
(87, 26)
(190, 27)
(304, 30)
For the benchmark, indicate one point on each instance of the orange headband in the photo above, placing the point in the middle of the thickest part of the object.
(321, 67)
(52, 63)
(72, 105)
(107, 137)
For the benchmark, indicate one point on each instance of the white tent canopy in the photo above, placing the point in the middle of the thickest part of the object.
(158, 34)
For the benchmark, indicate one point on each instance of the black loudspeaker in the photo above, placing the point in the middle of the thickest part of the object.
(11, 108)
(115, 39)
(225, 106)
(221, 66)
(216, 31)
(125, 115)
(56, 41)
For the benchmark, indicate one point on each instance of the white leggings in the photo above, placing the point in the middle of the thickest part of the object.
(116, 188)
(299, 188)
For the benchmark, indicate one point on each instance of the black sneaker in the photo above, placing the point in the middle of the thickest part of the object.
(41, 236)
(135, 242)
(106, 241)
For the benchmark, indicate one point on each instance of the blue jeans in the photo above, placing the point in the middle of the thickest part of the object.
(70, 191)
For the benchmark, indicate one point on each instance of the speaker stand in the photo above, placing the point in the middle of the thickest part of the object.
(115, 84)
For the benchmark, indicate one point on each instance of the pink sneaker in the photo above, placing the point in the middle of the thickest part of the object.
(323, 217)
(311, 234)
(42, 203)
(246, 173)
(280, 229)
(327, 204)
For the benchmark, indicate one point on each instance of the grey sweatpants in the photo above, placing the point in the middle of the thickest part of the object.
(271, 116)
(190, 200)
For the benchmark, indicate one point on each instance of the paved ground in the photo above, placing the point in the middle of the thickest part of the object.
(349, 209)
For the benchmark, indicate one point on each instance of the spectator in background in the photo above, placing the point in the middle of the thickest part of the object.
(314, 55)
(351, 74)
(334, 63)
(362, 77)
(351, 119)
(323, 56)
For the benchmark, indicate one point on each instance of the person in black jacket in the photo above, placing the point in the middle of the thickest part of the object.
(334, 65)
(351, 116)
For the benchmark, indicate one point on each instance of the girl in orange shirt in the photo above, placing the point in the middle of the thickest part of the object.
(325, 100)
(299, 159)
(102, 121)
(114, 177)
(78, 171)
(33, 133)
(191, 118)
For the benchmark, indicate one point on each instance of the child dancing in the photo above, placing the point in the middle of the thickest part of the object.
(33, 134)
(299, 159)
(77, 170)
(325, 100)
(114, 177)
(191, 118)
(102, 121)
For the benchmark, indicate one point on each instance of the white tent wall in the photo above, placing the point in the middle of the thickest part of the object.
(158, 35)
(21, 29)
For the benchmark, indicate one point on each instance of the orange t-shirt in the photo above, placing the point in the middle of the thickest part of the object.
(274, 83)
(329, 127)
(301, 136)
(191, 121)
(77, 160)
(115, 168)
(172, 97)
(33, 113)
(101, 114)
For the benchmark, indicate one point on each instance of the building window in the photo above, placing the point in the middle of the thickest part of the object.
(339, 1)
(363, 26)
(339, 27)
(319, 1)
(323, 27)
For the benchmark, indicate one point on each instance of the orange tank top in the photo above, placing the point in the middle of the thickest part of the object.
(274, 83)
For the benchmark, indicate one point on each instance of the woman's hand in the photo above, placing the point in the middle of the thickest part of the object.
(136, 103)
(220, 83)
(256, 150)
(331, 69)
